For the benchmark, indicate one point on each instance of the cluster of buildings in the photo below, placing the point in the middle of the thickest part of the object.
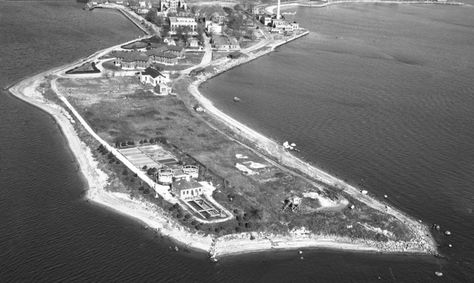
(142, 7)
(166, 176)
(276, 23)
(172, 6)
(183, 182)
(140, 60)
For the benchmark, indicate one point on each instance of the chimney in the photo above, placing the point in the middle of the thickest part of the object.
(278, 10)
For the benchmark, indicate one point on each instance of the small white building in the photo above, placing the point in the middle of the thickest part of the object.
(143, 7)
(154, 77)
(193, 42)
(213, 28)
(191, 170)
(191, 190)
(157, 79)
(266, 20)
(180, 175)
(165, 176)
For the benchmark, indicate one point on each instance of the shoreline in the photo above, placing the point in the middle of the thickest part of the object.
(321, 4)
(275, 150)
(155, 218)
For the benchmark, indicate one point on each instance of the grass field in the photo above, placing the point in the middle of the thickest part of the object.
(120, 110)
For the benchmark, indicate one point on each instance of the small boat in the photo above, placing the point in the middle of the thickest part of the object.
(447, 233)
(236, 99)
(289, 146)
(439, 273)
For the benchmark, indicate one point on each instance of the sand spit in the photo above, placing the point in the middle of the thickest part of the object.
(152, 215)
(156, 218)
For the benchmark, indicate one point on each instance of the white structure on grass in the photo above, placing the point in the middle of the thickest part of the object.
(157, 79)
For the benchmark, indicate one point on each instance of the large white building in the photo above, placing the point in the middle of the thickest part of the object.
(172, 6)
(183, 22)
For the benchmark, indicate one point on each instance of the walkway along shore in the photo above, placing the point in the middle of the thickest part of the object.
(156, 218)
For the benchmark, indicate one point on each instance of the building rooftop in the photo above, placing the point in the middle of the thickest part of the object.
(185, 185)
(130, 56)
(182, 19)
(160, 53)
(152, 72)
(174, 48)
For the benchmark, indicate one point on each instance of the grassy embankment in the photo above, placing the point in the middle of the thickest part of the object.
(119, 110)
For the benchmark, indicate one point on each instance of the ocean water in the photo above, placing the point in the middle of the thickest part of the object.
(379, 95)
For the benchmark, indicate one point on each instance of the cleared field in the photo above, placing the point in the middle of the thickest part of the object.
(119, 110)
(151, 156)
(139, 158)
(158, 154)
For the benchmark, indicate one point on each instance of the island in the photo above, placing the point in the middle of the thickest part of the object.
(152, 147)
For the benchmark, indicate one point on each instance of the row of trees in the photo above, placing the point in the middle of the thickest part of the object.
(161, 140)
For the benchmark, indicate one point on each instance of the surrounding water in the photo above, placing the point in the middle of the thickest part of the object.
(379, 94)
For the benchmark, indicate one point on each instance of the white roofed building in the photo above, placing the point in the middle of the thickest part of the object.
(188, 23)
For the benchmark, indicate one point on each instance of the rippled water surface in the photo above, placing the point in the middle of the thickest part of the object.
(380, 95)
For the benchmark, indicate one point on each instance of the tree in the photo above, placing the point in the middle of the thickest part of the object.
(200, 32)
(182, 33)
(151, 171)
(235, 23)
(152, 16)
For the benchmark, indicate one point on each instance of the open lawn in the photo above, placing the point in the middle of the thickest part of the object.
(119, 110)
(109, 65)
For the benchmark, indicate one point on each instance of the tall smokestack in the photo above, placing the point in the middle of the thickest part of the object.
(278, 10)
